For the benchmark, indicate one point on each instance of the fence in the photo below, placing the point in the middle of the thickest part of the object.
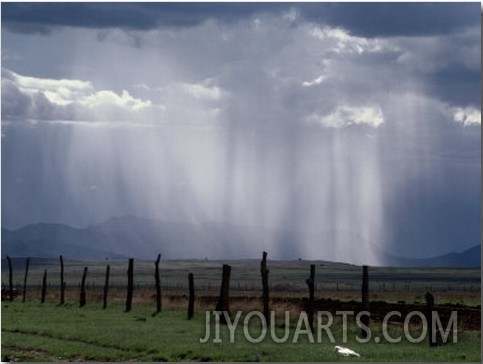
(245, 276)
(205, 276)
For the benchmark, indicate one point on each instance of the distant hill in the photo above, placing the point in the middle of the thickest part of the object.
(136, 237)
(50, 240)
(469, 258)
(131, 236)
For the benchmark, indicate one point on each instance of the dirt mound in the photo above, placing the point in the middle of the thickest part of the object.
(469, 318)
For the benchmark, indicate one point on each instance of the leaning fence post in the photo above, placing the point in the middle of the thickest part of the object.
(265, 291)
(311, 284)
(27, 263)
(44, 286)
(106, 287)
(429, 318)
(223, 304)
(158, 285)
(365, 298)
(130, 283)
(10, 279)
(191, 299)
(62, 283)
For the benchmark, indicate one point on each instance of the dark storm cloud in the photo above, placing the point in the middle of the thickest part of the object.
(392, 19)
(365, 19)
(40, 17)
(456, 85)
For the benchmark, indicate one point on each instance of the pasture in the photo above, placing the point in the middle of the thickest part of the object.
(32, 331)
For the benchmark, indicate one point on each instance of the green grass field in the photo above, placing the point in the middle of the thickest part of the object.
(36, 332)
(47, 332)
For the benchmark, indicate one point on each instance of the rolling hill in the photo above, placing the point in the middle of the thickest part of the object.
(130, 236)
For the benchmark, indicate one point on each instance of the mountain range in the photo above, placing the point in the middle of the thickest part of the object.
(131, 236)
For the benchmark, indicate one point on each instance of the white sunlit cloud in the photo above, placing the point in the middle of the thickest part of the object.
(343, 42)
(201, 91)
(106, 97)
(314, 82)
(466, 115)
(205, 90)
(344, 116)
(63, 100)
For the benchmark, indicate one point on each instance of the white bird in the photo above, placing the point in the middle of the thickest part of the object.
(345, 351)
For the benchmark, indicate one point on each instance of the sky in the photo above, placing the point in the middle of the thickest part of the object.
(357, 122)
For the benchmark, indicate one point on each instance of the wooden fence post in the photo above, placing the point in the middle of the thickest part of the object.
(158, 285)
(223, 304)
(310, 306)
(191, 300)
(44, 286)
(82, 300)
(10, 279)
(429, 318)
(265, 291)
(130, 283)
(24, 293)
(62, 283)
(106, 287)
(365, 298)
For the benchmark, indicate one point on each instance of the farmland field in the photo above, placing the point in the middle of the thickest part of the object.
(49, 332)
